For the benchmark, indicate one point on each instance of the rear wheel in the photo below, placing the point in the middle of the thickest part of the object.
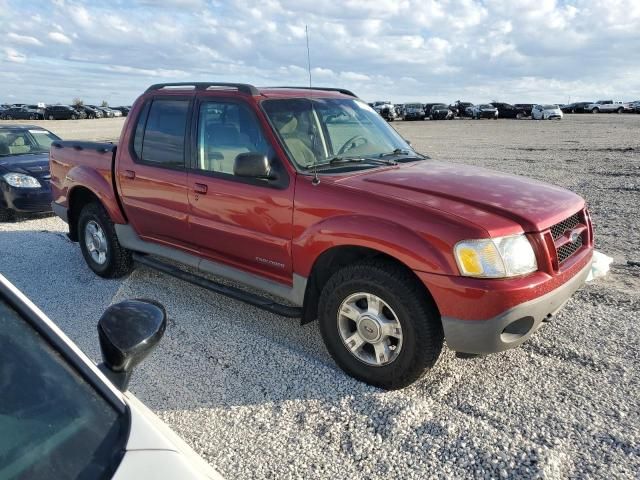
(99, 243)
(620, 110)
(379, 324)
(518, 116)
(595, 110)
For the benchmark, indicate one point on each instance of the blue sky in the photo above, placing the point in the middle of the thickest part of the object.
(403, 50)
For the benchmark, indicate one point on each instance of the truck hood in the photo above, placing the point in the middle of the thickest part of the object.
(489, 199)
(29, 164)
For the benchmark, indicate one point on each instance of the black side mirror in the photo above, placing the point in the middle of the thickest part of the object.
(128, 332)
(253, 165)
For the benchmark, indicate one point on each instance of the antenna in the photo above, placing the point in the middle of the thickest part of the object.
(316, 179)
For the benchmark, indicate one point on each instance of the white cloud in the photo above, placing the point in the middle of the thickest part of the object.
(14, 56)
(397, 49)
(23, 39)
(59, 37)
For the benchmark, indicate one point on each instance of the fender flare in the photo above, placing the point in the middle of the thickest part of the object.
(387, 237)
(84, 177)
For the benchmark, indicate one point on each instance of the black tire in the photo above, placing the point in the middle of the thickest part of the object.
(8, 117)
(118, 261)
(32, 117)
(74, 117)
(51, 117)
(417, 314)
(620, 110)
(6, 215)
(595, 110)
(518, 116)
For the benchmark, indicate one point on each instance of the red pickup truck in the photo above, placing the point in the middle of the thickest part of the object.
(308, 196)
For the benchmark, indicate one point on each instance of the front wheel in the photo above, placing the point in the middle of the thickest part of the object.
(620, 110)
(379, 324)
(99, 244)
(6, 215)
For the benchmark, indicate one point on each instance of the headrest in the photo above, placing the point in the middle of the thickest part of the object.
(18, 142)
(289, 127)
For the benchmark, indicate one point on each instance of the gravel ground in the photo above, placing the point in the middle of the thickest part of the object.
(258, 396)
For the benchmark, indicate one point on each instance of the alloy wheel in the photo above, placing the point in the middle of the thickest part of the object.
(370, 329)
(96, 242)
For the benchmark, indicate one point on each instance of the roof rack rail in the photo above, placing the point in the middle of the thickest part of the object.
(326, 89)
(241, 87)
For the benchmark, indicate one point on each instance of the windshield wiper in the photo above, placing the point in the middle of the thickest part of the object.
(337, 160)
(401, 151)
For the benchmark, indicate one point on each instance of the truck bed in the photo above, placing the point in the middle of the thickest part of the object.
(87, 164)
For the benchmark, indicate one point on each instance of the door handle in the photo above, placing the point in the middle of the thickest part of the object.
(129, 174)
(200, 188)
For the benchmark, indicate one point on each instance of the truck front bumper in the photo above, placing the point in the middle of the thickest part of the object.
(512, 327)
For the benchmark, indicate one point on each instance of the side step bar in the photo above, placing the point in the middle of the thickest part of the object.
(229, 291)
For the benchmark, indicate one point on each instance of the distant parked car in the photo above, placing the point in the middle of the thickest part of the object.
(461, 109)
(546, 112)
(123, 110)
(106, 112)
(385, 109)
(24, 112)
(440, 112)
(580, 107)
(485, 110)
(635, 106)
(429, 106)
(506, 110)
(89, 111)
(24, 170)
(567, 108)
(606, 106)
(527, 107)
(80, 111)
(61, 112)
(413, 111)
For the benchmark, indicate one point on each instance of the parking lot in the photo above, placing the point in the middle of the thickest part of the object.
(259, 397)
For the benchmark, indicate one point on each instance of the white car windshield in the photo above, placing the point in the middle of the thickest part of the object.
(321, 129)
(549, 107)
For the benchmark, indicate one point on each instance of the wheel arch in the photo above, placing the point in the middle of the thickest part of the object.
(337, 257)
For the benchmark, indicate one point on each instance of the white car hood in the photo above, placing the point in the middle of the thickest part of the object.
(155, 451)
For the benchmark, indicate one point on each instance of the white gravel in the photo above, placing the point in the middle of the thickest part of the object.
(258, 396)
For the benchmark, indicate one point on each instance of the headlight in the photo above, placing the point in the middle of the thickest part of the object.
(21, 181)
(496, 257)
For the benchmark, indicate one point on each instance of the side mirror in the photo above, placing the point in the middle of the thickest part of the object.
(128, 332)
(253, 165)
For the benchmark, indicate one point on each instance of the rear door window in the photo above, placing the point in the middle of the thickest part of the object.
(163, 140)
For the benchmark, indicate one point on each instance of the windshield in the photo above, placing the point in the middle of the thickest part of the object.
(54, 424)
(25, 141)
(487, 106)
(439, 106)
(317, 130)
(549, 107)
(413, 105)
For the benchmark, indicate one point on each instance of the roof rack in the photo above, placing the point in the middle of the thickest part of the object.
(326, 89)
(240, 87)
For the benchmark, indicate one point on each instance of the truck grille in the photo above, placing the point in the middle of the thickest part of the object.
(566, 250)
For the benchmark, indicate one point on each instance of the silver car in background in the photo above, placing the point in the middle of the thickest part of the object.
(546, 112)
